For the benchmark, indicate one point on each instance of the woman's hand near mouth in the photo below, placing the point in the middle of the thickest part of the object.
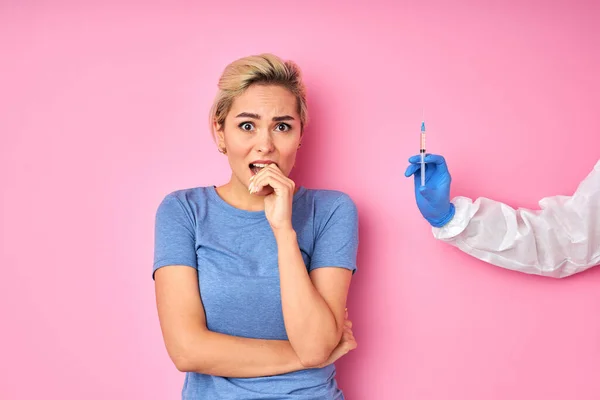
(278, 204)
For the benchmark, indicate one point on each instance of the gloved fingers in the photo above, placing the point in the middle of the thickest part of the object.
(429, 158)
(412, 168)
(435, 158)
(439, 161)
(415, 159)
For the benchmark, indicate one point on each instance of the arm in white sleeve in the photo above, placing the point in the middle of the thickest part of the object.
(561, 239)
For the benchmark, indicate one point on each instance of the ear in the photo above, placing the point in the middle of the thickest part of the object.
(218, 129)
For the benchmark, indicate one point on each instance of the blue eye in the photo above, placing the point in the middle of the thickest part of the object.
(283, 127)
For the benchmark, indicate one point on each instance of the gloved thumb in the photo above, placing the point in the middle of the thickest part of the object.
(427, 193)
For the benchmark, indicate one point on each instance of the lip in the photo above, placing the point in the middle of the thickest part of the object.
(262, 162)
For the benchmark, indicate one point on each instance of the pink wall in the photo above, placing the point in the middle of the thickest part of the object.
(103, 112)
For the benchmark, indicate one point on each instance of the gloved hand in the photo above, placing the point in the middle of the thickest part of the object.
(433, 199)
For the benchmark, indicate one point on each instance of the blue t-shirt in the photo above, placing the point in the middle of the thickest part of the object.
(235, 253)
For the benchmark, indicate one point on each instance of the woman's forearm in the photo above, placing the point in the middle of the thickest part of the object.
(309, 322)
(218, 354)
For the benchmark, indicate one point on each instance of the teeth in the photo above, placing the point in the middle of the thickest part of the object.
(260, 165)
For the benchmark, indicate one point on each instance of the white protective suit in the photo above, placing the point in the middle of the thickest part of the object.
(561, 239)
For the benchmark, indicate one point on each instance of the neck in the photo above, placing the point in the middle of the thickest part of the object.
(237, 195)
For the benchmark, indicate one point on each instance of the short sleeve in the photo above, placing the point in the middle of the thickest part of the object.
(174, 237)
(336, 242)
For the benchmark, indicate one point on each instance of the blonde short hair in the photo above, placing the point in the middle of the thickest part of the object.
(265, 69)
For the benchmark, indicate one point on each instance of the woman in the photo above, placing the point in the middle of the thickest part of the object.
(261, 312)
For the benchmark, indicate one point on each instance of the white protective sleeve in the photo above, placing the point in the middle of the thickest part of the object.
(561, 239)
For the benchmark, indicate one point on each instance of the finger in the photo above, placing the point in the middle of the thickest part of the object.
(275, 169)
(348, 323)
(268, 178)
(439, 161)
(264, 181)
(412, 168)
(435, 159)
(351, 345)
(267, 168)
(271, 171)
(426, 193)
(415, 159)
(260, 173)
(280, 185)
(429, 158)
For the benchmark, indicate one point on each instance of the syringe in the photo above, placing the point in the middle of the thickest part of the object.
(422, 151)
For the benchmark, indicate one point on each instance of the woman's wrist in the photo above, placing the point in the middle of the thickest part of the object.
(284, 234)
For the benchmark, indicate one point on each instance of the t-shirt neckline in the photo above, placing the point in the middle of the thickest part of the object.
(214, 196)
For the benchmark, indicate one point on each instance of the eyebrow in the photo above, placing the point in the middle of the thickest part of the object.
(256, 116)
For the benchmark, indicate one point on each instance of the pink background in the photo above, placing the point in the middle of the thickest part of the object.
(104, 110)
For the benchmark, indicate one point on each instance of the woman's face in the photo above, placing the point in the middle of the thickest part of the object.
(263, 126)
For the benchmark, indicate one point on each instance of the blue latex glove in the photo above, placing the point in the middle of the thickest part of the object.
(433, 199)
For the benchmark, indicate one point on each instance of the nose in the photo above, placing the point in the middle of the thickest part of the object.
(265, 143)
